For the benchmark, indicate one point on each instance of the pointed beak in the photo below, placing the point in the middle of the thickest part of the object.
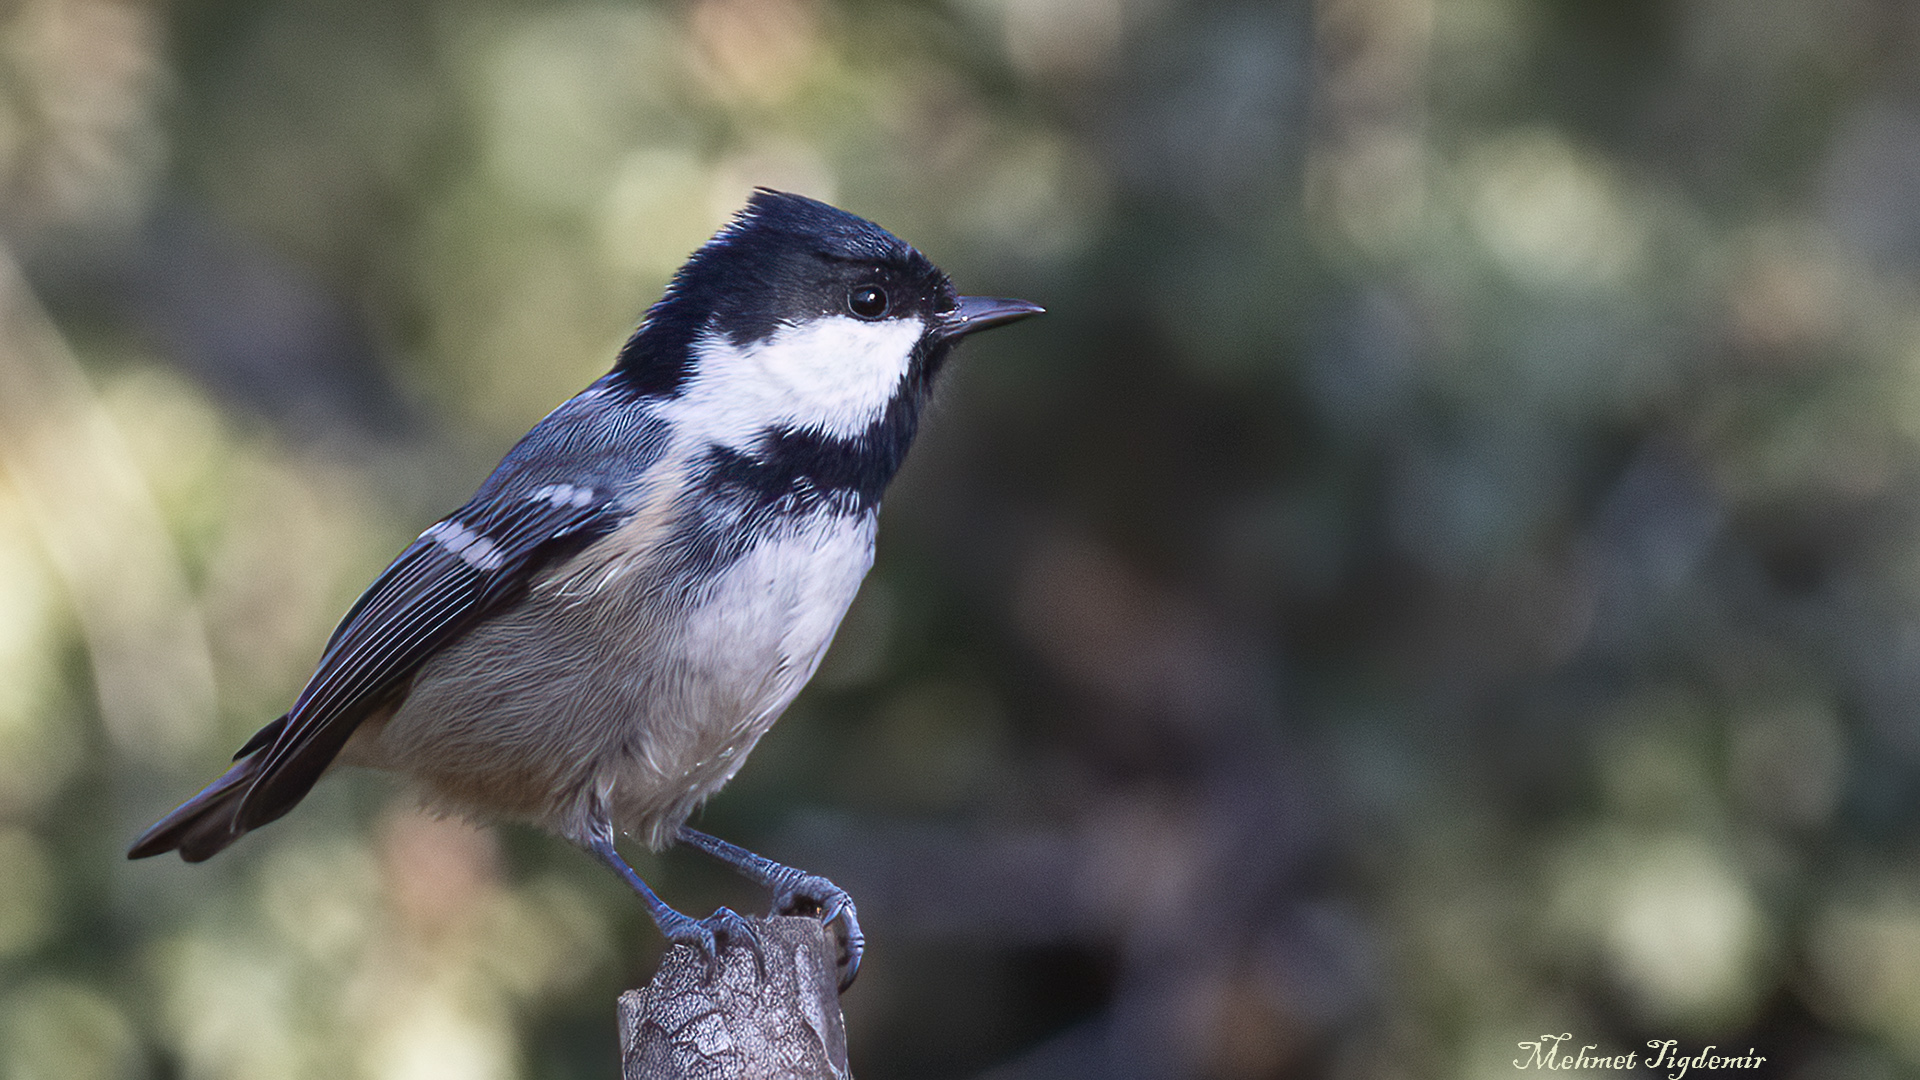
(974, 313)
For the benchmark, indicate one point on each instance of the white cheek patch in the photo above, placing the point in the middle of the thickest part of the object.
(832, 375)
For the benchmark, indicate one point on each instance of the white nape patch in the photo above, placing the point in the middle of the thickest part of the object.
(475, 550)
(562, 495)
(833, 375)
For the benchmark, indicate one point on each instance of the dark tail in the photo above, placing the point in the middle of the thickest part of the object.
(205, 824)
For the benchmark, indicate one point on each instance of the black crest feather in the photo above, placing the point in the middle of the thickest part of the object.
(783, 258)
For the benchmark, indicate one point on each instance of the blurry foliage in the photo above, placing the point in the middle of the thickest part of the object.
(1444, 571)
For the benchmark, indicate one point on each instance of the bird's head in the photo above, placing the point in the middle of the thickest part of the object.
(801, 319)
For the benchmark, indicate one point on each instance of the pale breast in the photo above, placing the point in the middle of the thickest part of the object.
(623, 687)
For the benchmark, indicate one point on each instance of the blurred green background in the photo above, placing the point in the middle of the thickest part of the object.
(1443, 572)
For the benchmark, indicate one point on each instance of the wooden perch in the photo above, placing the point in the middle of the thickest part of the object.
(691, 1023)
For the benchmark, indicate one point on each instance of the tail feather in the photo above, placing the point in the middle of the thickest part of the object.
(204, 824)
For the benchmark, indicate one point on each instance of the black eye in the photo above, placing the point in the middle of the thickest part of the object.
(867, 301)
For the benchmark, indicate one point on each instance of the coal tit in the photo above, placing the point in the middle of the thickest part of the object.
(599, 637)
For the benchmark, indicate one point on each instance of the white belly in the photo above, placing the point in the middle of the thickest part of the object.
(605, 693)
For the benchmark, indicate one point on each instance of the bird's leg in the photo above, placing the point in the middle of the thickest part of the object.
(795, 892)
(705, 935)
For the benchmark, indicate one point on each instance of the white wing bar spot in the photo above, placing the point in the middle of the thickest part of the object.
(474, 549)
(563, 495)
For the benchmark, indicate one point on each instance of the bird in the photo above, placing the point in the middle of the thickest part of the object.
(597, 639)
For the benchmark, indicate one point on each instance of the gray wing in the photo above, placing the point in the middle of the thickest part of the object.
(565, 484)
(462, 569)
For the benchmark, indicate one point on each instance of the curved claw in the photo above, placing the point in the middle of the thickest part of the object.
(811, 894)
(794, 893)
(714, 934)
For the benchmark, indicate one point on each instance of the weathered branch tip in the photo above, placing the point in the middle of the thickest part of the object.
(695, 1023)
